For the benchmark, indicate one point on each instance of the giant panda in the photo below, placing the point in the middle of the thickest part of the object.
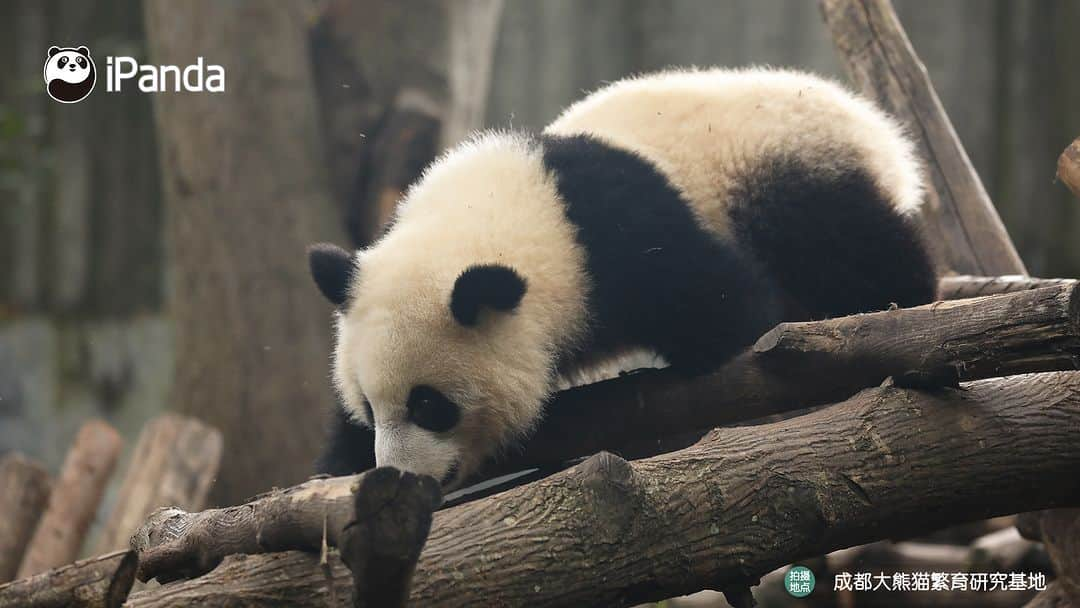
(680, 214)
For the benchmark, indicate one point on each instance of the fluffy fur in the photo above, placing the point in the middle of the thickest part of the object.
(679, 215)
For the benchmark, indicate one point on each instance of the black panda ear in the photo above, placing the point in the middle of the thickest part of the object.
(485, 286)
(332, 268)
(53, 50)
(82, 50)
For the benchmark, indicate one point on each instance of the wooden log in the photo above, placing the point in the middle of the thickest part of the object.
(1068, 167)
(959, 287)
(742, 502)
(99, 582)
(1053, 597)
(380, 519)
(999, 336)
(391, 520)
(174, 463)
(1059, 530)
(24, 491)
(960, 220)
(74, 499)
(797, 365)
(1002, 551)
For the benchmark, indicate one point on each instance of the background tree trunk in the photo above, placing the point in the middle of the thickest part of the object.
(246, 191)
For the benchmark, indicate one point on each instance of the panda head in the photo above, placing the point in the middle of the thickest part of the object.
(421, 364)
(448, 329)
(69, 73)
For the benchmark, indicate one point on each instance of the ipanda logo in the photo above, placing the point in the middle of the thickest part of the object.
(70, 74)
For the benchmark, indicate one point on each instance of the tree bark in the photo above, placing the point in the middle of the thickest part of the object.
(99, 582)
(1053, 597)
(74, 499)
(888, 462)
(967, 286)
(379, 519)
(390, 523)
(798, 365)
(173, 464)
(24, 492)
(960, 220)
(246, 191)
(1059, 531)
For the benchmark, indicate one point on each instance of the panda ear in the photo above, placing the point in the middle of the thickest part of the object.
(53, 50)
(491, 286)
(82, 50)
(332, 268)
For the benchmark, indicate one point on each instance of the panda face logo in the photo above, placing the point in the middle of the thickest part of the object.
(69, 74)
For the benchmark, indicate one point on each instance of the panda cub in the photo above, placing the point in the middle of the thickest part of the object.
(682, 213)
(69, 73)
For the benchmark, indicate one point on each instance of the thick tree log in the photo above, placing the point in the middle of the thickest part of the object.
(1059, 531)
(888, 462)
(24, 491)
(100, 582)
(174, 462)
(959, 218)
(797, 365)
(1068, 167)
(74, 499)
(968, 286)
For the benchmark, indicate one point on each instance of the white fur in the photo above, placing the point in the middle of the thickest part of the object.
(490, 200)
(703, 128)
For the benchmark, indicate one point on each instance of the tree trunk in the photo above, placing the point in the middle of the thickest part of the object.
(960, 220)
(246, 191)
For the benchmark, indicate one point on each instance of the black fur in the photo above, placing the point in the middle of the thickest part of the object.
(482, 286)
(830, 237)
(332, 268)
(350, 447)
(659, 279)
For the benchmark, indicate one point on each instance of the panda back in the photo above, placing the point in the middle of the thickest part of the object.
(708, 130)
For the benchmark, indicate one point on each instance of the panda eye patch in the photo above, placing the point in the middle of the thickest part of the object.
(429, 409)
(63, 61)
(81, 62)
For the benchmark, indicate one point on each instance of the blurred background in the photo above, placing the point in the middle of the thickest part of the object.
(152, 245)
